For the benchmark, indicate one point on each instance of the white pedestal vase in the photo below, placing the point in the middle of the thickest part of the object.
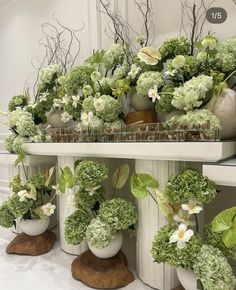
(65, 209)
(150, 220)
(187, 279)
(141, 103)
(34, 227)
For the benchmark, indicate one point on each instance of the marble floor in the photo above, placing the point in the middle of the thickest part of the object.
(46, 272)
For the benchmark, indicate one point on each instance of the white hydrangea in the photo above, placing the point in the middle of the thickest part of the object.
(46, 74)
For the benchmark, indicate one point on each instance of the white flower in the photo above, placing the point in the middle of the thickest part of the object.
(75, 100)
(192, 207)
(183, 217)
(99, 104)
(65, 117)
(65, 100)
(92, 190)
(48, 209)
(86, 118)
(170, 73)
(134, 71)
(43, 98)
(23, 194)
(181, 236)
(57, 103)
(149, 55)
(153, 94)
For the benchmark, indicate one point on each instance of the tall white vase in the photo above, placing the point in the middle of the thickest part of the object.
(150, 220)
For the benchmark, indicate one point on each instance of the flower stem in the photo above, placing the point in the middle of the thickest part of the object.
(230, 75)
(152, 197)
(25, 172)
(197, 225)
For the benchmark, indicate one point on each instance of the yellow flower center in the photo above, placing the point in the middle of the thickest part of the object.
(181, 235)
(191, 206)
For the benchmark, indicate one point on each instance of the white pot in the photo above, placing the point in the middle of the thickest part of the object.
(34, 227)
(54, 119)
(187, 279)
(109, 251)
(141, 103)
(224, 107)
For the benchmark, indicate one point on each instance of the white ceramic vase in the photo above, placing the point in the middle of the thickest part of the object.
(224, 107)
(34, 227)
(54, 119)
(109, 251)
(141, 103)
(187, 279)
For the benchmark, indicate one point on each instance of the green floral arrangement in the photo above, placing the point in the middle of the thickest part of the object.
(164, 104)
(100, 234)
(175, 46)
(147, 81)
(113, 55)
(119, 213)
(190, 184)
(213, 270)
(17, 101)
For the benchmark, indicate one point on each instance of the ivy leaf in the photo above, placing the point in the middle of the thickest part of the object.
(50, 173)
(223, 221)
(120, 176)
(66, 179)
(140, 182)
(229, 237)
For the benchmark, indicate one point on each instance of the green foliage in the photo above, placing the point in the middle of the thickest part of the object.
(76, 226)
(190, 184)
(213, 269)
(225, 222)
(17, 101)
(215, 239)
(120, 176)
(15, 184)
(66, 179)
(38, 181)
(119, 213)
(89, 174)
(147, 81)
(175, 46)
(6, 217)
(100, 234)
(165, 252)
(19, 208)
(140, 182)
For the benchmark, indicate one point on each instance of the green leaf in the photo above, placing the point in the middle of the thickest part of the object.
(140, 183)
(223, 221)
(164, 206)
(229, 237)
(66, 179)
(20, 158)
(50, 173)
(120, 176)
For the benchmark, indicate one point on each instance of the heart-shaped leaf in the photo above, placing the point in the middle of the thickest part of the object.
(66, 179)
(49, 177)
(120, 176)
(229, 236)
(223, 221)
(140, 182)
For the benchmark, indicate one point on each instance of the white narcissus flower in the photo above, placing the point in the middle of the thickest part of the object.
(92, 190)
(65, 117)
(75, 100)
(153, 94)
(134, 71)
(48, 209)
(86, 118)
(99, 104)
(192, 207)
(183, 217)
(149, 55)
(181, 236)
(23, 195)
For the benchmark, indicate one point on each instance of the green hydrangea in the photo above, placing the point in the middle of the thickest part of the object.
(76, 78)
(38, 181)
(89, 174)
(17, 145)
(226, 61)
(215, 239)
(100, 234)
(112, 55)
(15, 184)
(165, 252)
(19, 208)
(6, 217)
(110, 109)
(195, 119)
(17, 101)
(213, 269)
(148, 80)
(47, 74)
(119, 213)
(193, 93)
(82, 199)
(164, 105)
(8, 142)
(191, 66)
(120, 72)
(76, 226)
(175, 46)
(105, 85)
(87, 105)
(190, 184)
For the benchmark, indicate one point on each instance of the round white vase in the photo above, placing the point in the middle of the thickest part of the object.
(141, 103)
(110, 250)
(34, 227)
(54, 119)
(187, 279)
(224, 107)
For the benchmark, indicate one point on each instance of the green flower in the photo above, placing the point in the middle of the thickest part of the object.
(119, 213)
(47, 74)
(202, 56)
(175, 46)
(83, 199)
(8, 143)
(164, 105)
(89, 174)
(213, 269)
(15, 184)
(38, 181)
(165, 252)
(17, 101)
(87, 90)
(112, 55)
(76, 226)
(105, 85)
(210, 42)
(120, 72)
(179, 61)
(19, 208)
(6, 217)
(95, 76)
(190, 184)
(100, 234)
(147, 81)
(17, 145)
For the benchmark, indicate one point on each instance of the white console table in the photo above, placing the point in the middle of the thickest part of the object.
(160, 160)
